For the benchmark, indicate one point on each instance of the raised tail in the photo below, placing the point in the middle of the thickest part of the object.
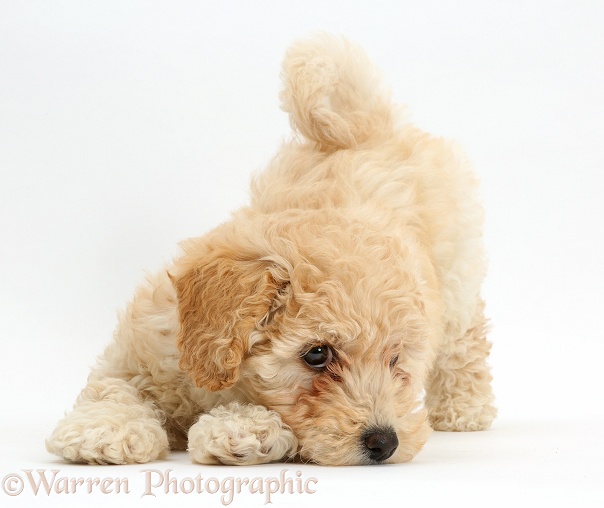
(334, 94)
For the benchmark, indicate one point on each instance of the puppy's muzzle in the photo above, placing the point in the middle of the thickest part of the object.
(379, 443)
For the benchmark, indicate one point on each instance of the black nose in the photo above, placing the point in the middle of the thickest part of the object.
(380, 443)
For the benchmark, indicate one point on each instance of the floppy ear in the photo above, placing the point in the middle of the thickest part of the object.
(334, 94)
(222, 299)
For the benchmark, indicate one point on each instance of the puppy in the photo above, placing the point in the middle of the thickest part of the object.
(333, 320)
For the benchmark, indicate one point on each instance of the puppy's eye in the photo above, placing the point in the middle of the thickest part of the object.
(318, 357)
(393, 362)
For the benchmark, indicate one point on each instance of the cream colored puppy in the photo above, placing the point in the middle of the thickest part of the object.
(333, 319)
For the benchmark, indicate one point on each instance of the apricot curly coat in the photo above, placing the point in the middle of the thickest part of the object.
(362, 242)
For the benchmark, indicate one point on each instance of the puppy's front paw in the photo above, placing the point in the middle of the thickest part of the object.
(103, 433)
(240, 434)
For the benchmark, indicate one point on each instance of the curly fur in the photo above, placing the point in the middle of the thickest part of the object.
(364, 236)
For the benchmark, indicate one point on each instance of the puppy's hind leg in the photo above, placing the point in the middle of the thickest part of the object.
(240, 434)
(459, 396)
(110, 424)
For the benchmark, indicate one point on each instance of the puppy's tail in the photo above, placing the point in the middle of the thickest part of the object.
(334, 94)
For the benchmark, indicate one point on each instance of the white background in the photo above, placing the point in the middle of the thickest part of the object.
(128, 126)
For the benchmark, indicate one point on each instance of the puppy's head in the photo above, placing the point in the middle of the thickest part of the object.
(315, 318)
